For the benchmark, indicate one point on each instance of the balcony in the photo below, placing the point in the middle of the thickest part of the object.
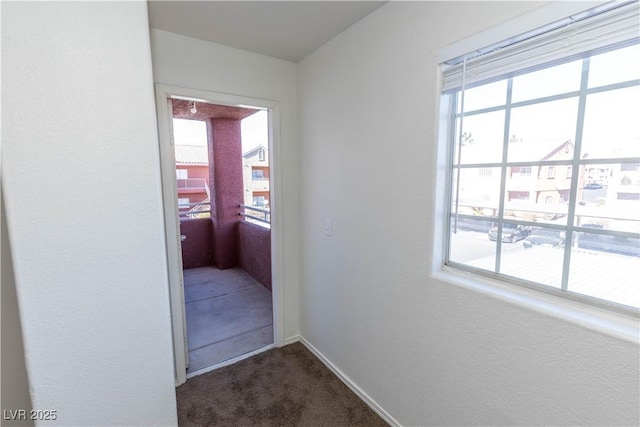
(195, 210)
(226, 255)
(228, 313)
(192, 185)
(228, 309)
(260, 184)
(256, 215)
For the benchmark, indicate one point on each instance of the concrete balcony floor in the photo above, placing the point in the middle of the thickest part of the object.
(228, 314)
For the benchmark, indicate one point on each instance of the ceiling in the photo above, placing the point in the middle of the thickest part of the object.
(288, 30)
(192, 110)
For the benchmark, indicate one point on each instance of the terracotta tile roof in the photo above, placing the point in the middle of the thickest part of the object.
(191, 154)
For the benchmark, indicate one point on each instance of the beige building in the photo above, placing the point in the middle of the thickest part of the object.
(255, 165)
(537, 189)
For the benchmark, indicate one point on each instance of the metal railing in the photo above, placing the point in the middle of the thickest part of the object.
(195, 209)
(191, 183)
(257, 214)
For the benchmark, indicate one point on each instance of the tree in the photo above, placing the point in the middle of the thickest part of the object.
(467, 138)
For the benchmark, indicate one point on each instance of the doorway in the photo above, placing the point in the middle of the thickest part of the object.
(221, 228)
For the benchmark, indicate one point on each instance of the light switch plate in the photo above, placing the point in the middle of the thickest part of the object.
(328, 227)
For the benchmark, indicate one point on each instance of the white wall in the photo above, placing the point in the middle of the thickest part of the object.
(15, 382)
(427, 352)
(191, 63)
(82, 190)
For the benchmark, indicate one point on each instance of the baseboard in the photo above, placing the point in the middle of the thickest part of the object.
(291, 340)
(347, 381)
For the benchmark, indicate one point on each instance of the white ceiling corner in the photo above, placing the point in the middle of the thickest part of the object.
(288, 30)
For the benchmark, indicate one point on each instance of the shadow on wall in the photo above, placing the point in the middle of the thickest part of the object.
(15, 383)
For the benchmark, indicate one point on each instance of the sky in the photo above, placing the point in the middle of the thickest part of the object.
(612, 128)
(255, 131)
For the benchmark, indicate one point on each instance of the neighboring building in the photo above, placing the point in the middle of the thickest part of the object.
(597, 175)
(255, 165)
(528, 188)
(625, 181)
(541, 184)
(622, 195)
(192, 176)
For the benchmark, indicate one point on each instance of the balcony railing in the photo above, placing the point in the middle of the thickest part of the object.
(192, 183)
(195, 210)
(260, 185)
(262, 216)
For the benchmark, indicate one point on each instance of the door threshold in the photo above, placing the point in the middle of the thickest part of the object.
(230, 361)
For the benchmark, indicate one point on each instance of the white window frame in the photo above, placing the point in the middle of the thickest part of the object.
(548, 172)
(613, 323)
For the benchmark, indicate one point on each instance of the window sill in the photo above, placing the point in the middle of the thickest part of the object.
(618, 325)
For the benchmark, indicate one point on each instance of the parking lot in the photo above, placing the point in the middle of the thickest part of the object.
(471, 245)
(599, 274)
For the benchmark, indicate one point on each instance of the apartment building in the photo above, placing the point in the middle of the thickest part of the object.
(255, 165)
(192, 177)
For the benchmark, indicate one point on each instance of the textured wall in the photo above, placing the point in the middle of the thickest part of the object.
(255, 251)
(15, 383)
(197, 248)
(428, 352)
(87, 244)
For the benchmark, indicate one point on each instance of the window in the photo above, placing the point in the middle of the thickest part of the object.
(183, 202)
(551, 172)
(257, 174)
(550, 102)
(261, 155)
(182, 174)
(258, 201)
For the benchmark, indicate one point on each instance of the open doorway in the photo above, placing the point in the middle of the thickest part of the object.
(221, 191)
(222, 177)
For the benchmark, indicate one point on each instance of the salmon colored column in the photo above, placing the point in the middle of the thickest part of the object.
(225, 178)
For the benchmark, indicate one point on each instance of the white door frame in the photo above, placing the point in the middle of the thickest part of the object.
(172, 224)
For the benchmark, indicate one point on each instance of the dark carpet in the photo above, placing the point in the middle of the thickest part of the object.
(286, 386)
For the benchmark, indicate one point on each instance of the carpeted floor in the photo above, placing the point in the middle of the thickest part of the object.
(286, 386)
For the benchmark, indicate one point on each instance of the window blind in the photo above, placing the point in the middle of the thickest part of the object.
(611, 25)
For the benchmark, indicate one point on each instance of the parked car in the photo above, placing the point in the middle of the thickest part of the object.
(511, 233)
(544, 236)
